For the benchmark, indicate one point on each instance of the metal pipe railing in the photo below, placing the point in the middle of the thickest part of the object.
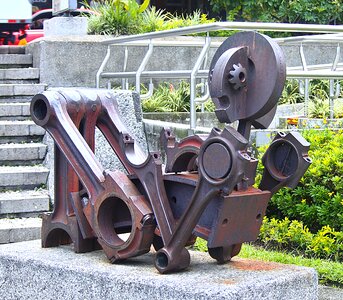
(283, 27)
(194, 73)
(334, 33)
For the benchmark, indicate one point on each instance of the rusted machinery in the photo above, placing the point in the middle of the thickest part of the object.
(205, 188)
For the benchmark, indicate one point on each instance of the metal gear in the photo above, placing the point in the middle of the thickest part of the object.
(238, 76)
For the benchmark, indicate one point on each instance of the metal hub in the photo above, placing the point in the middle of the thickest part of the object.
(238, 76)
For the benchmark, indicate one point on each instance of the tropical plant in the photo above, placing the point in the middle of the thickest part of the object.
(170, 97)
(117, 17)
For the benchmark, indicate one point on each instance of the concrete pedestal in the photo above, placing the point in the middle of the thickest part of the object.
(29, 272)
(65, 26)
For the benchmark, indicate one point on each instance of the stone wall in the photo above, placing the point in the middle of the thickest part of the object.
(74, 60)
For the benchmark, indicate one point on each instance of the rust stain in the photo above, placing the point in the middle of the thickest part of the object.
(253, 265)
(228, 281)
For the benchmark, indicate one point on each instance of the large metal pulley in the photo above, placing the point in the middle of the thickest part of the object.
(246, 78)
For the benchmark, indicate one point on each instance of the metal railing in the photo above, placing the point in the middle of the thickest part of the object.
(330, 34)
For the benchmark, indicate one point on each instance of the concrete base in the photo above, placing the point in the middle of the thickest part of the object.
(30, 272)
(58, 26)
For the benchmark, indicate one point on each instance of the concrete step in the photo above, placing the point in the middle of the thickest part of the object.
(14, 111)
(22, 154)
(19, 75)
(19, 131)
(21, 203)
(17, 89)
(19, 230)
(15, 99)
(12, 49)
(22, 177)
(12, 60)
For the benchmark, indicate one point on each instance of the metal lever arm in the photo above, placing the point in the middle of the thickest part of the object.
(106, 191)
(222, 163)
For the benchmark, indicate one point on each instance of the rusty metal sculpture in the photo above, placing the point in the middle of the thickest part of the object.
(206, 189)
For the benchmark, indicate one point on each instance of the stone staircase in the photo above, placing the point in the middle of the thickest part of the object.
(22, 176)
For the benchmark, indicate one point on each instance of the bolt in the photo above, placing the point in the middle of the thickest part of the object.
(85, 201)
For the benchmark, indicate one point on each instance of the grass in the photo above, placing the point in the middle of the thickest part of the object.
(329, 272)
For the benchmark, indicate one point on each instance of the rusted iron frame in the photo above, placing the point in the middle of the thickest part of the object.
(50, 111)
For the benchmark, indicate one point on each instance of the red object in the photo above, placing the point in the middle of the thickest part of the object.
(35, 29)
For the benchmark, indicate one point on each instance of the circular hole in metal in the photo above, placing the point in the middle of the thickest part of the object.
(258, 217)
(161, 260)
(115, 221)
(225, 221)
(309, 160)
(127, 137)
(155, 155)
(40, 109)
(241, 76)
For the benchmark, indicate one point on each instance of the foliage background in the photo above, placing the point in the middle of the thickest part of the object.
(292, 11)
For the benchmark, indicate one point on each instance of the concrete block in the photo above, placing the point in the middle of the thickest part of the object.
(131, 116)
(23, 177)
(24, 202)
(65, 26)
(22, 152)
(20, 73)
(30, 272)
(18, 230)
(20, 128)
(14, 109)
(15, 59)
(29, 89)
(15, 99)
(12, 50)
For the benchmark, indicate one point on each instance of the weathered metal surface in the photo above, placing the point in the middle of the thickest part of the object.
(206, 188)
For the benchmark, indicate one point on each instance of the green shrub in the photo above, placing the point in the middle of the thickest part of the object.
(169, 97)
(317, 200)
(117, 17)
(300, 11)
(319, 95)
(121, 17)
(295, 237)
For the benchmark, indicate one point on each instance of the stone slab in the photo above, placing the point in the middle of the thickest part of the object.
(60, 26)
(12, 49)
(22, 176)
(19, 73)
(18, 230)
(15, 110)
(20, 128)
(30, 272)
(15, 59)
(19, 89)
(16, 202)
(22, 152)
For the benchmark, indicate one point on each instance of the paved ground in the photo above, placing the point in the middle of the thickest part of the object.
(329, 293)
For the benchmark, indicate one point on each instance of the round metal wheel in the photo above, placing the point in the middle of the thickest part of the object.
(246, 77)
